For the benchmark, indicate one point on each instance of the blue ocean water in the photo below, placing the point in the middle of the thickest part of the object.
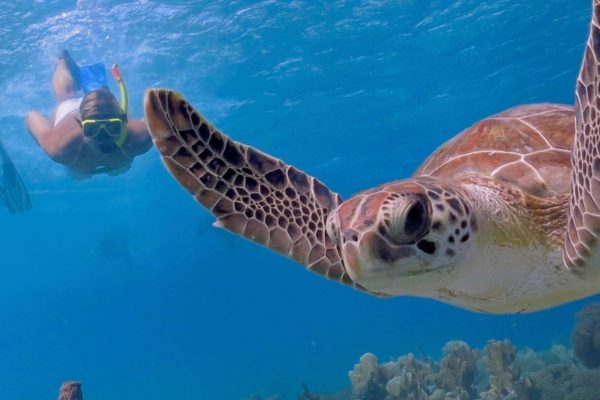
(122, 282)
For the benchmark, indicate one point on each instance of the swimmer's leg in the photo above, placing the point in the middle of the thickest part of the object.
(66, 79)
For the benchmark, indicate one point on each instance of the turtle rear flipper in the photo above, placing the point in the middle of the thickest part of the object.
(250, 193)
(581, 252)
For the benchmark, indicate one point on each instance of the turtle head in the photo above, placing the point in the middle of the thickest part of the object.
(392, 237)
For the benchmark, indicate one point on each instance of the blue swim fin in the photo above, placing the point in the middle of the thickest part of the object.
(93, 77)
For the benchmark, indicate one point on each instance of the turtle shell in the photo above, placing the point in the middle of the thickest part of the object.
(528, 146)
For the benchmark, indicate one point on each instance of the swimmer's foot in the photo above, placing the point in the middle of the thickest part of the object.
(72, 66)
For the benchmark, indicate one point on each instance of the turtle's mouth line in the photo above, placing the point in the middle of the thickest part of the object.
(381, 277)
(385, 264)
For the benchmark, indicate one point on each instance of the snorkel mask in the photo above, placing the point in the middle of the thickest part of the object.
(114, 128)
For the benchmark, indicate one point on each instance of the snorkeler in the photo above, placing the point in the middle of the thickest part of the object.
(90, 134)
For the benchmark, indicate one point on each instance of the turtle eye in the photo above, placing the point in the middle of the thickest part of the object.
(409, 219)
(415, 219)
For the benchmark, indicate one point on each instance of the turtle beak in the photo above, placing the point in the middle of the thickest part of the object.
(359, 260)
(352, 261)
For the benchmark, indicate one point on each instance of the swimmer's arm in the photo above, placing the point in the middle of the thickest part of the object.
(140, 139)
(58, 147)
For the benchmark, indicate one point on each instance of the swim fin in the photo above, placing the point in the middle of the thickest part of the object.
(93, 77)
(12, 190)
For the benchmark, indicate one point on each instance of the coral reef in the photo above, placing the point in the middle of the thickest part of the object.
(453, 377)
(412, 379)
(586, 335)
(499, 371)
(565, 382)
(407, 378)
(457, 370)
(70, 391)
(504, 374)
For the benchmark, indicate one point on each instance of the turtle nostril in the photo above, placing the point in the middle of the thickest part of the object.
(351, 235)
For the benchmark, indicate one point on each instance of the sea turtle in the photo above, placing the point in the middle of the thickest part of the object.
(503, 218)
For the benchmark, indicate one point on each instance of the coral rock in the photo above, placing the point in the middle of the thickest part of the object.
(586, 335)
(366, 379)
(70, 391)
(504, 373)
(364, 370)
(457, 370)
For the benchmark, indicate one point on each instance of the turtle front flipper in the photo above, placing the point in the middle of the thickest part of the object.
(250, 193)
(581, 252)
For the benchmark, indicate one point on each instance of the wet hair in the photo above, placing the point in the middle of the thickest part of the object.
(100, 103)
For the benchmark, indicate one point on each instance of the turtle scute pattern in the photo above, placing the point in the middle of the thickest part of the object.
(527, 146)
(584, 209)
(249, 192)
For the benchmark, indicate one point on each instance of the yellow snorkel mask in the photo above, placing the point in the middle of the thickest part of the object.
(114, 128)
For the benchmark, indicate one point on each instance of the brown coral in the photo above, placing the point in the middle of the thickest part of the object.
(505, 381)
(501, 365)
(366, 378)
(457, 370)
(70, 391)
(586, 335)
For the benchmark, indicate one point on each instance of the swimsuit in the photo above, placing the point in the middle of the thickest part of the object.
(65, 108)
